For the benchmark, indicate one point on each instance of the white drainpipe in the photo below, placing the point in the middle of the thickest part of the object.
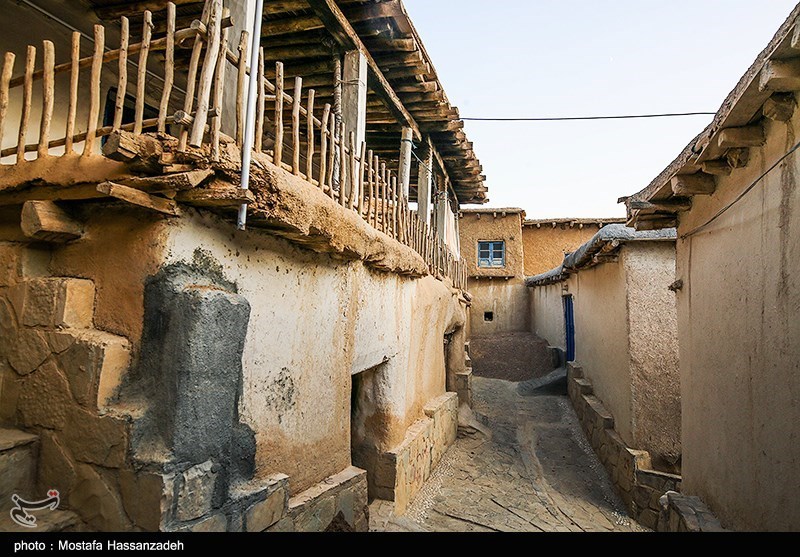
(250, 115)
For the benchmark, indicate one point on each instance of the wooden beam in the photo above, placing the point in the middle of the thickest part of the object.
(745, 136)
(779, 107)
(344, 34)
(136, 197)
(669, 206)
(693, 184)
(170, 182)
(47, 222)
(128, 9)
(218, 194)
(717, 167)
(782, 76)
(273, 28)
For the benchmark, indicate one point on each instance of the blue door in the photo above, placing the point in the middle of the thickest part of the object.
(569, 327)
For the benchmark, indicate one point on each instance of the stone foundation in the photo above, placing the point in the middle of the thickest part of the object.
(401, 472)
(683, 513)
(638, 485)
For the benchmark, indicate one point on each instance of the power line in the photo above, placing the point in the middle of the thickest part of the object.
(572, 118)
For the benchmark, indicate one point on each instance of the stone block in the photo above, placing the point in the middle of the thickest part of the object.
(44, 398)
(584, 386)
(101, 440)
(26, 350)
(659, 481)
(146, 497)
(18, 452)
(57, 468)
(10, 385)
(272, 507)
(317, 516)
(574, 371)
(97, 502)
(286, 524)
(602, 418)
(217, 522)
(196, 492)
(640, 460)
(648, 518)
(9, 263)
(95, 363)
(58, 302)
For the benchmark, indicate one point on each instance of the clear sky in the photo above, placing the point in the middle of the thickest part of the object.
(544, 58)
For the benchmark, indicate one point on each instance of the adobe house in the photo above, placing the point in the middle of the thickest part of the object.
(733, 195)
(184, 347)
(491, 247)
(546, 241)
(609, 307)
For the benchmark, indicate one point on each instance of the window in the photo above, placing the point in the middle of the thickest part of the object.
(491, 254)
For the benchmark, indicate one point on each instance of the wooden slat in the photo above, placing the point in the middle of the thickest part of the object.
(298, 96)
(384, 198)
(278, 156)
(5, 79)
(136, 197)
(241, 68)
(323, 145)
(147, 33)
(219, 89)
(214, 39)
(342, 165)
(361, 169)
(48, 95)
(122, 68)
(368, 185)
(169, 68)
(94, 89)
(352, 172)
(72, 109)
(27, 94)
(191, 79)
(331, 154)
(310, 134)
(261, 102)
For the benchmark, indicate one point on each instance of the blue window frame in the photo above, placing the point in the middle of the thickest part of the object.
(492, 254)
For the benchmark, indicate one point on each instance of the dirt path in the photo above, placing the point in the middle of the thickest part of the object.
(530, 470)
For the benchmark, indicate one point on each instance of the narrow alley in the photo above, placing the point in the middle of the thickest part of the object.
(524, 465)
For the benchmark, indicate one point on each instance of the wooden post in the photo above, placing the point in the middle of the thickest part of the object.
(219, 89)
(147, 32)
(298, 97)
(331, 153)
(278, 157)
(362, 154)
(342, 165)
(240, 87)
(323, 145)
(310, 135)
(48, 86)
(191, 78)
(395, 208)
(5, 80)
(169, 68)
(94, 89)
(73, 91)
(386, 191)
(424, 183)
(27, 94)
(122, 82)
(353, 173)
(261, 101)
(354, 99)
(404, 170)
(369, 185)
(214, 38)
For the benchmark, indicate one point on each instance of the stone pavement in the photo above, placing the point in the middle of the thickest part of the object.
(524, 466)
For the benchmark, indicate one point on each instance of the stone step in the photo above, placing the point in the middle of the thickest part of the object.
(18, 453)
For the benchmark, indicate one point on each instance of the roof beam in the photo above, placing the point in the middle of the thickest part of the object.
(344, 34)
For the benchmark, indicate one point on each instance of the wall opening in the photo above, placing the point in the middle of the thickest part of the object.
(488, 316)
(367, 422)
